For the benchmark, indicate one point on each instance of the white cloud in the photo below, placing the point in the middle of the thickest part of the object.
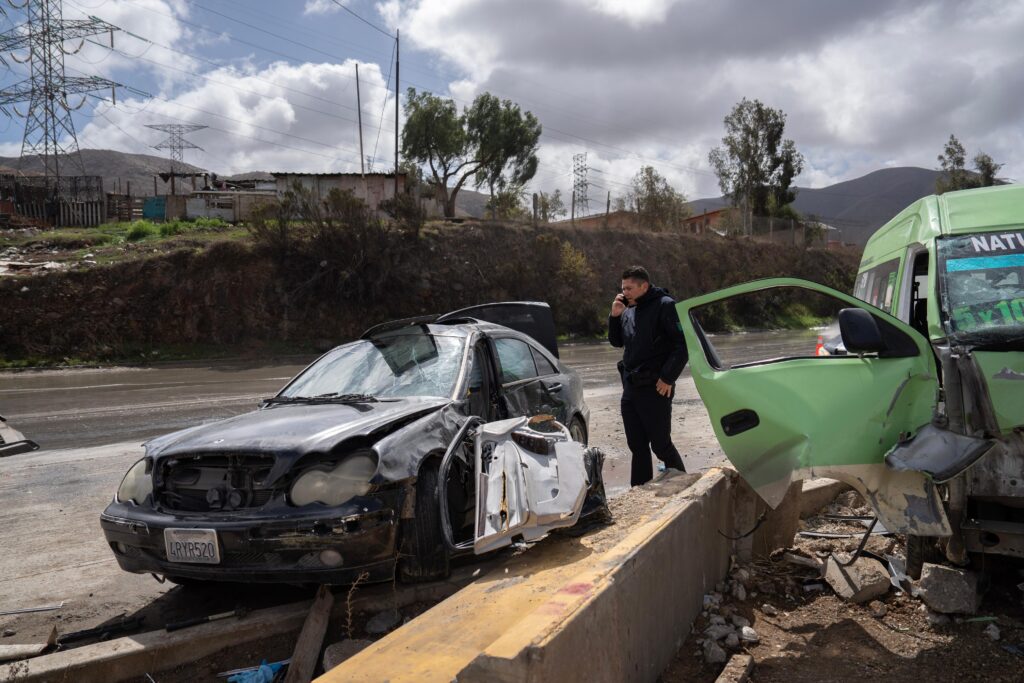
(864, 85)
(282, 117)
(322, 7)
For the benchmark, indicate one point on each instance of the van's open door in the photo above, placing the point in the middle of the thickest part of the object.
(795, 414)
(528, 481)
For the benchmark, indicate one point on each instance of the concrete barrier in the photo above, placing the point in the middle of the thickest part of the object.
(817, 493)
(556, 613)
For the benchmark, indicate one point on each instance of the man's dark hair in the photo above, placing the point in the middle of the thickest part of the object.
(636, 273)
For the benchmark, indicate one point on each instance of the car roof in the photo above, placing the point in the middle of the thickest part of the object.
(984, 209)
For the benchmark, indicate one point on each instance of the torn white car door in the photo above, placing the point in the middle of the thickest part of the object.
(531, 478)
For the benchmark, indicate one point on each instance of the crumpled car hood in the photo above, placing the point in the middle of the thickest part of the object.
(293, 429)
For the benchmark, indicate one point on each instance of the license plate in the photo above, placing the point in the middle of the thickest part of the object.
(198, 546)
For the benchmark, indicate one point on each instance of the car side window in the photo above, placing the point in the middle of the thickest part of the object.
(544, 366)
(516, 360)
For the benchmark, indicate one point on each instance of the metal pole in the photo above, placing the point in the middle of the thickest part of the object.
(362, 162)
(397, 90)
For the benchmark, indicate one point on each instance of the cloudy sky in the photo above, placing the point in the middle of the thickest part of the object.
(865, 84)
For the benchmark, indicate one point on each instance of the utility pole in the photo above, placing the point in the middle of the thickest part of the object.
(175, 143)
(397, 90)
(608, 208)
(573, 215)
(362, 159)
(49, 128)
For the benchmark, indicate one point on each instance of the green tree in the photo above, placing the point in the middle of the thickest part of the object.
(550, 206)
(508, 203)
(657, 204)
(986, 168)
(955, 176)
(492, 142)
(755, 165)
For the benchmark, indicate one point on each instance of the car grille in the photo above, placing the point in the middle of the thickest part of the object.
(216, 482)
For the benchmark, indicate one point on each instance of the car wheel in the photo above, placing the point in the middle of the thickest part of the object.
(424, 554)
(578, 430)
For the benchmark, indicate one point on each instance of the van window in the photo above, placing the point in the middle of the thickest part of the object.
(982, 281)
(878, 285)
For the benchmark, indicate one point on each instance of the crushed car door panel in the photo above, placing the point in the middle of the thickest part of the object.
(801, 415)
(528, 481)
(529, 389)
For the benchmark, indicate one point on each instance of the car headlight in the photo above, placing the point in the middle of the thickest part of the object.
(334, 486)
(137, 484)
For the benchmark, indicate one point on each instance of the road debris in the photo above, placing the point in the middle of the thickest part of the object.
(992, 631)
(26, 610)
(862, 581)
(949, 590)
(737, 670)
(307, 648)
(382, 622)
(195, 621)
(102, 632)
(247, 669)
(10, 653)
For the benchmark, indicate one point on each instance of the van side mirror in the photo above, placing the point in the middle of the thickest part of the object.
(860, 331)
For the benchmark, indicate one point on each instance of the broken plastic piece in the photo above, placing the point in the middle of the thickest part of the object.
(939, 453)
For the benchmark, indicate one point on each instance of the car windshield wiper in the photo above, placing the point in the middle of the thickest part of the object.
(325, 398)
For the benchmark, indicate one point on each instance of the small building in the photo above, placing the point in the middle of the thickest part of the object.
(230, 206)
(709, 221)
(372, 188)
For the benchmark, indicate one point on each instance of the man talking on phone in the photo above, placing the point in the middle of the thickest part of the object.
(644, 323)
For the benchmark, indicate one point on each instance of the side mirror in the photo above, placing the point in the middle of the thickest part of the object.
(860, 331)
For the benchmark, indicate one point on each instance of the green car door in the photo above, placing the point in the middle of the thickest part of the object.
(803, 413)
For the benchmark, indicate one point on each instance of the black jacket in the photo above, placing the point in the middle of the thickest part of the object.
(652, 337)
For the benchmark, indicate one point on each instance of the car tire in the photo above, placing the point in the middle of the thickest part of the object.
(578, 430)
(424, 555)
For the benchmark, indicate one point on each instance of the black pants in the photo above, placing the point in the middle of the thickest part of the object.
(647, 417)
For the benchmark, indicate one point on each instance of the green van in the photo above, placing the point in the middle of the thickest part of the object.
(920, 408)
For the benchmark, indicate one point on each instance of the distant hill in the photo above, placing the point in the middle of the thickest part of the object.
(859, 206)
(139, 169)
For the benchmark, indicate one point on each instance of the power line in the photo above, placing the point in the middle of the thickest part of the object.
(368, 23)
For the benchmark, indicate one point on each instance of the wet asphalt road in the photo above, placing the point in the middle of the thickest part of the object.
(78, 408)
(89, 407)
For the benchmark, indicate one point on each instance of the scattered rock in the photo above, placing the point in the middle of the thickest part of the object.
(9, 632)
(992, 631)
(949, 590)
(382, 622)
(769, 610)
(713, 654)
(742, 575)
(712, 600)
(727, 611)
(936, 619)
(718, 631)
(766, 587)
(732, 641)
(864, 580)
(720, 587)
(878, 609)
(336, 653)
(740, 622)
(717, 619)
(749, 635)
(739, 592)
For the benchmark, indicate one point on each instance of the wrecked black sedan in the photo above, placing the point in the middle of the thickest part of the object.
(340, 474)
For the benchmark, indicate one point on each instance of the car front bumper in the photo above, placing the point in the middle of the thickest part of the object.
(265, 548)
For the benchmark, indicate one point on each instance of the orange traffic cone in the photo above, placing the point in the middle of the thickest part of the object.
(819, 349)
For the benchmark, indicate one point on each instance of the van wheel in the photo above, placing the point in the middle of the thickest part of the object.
(920, 549)
(424, 556)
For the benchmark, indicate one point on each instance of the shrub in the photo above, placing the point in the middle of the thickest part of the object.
(140, 230)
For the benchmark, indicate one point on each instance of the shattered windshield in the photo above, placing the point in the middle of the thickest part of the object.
(983, 286)
(389, 365)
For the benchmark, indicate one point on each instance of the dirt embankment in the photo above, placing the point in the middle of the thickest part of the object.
(324, 289)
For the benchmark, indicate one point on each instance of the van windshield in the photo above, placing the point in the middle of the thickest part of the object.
(982, 283)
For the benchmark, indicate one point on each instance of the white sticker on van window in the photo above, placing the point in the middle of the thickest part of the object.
(1009, 241)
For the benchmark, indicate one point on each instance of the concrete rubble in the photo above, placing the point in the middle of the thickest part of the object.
(864, 580)
(949, 590)
(382, 622)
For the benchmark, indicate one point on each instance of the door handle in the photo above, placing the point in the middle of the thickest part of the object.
(554, 386)
(739, 422)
